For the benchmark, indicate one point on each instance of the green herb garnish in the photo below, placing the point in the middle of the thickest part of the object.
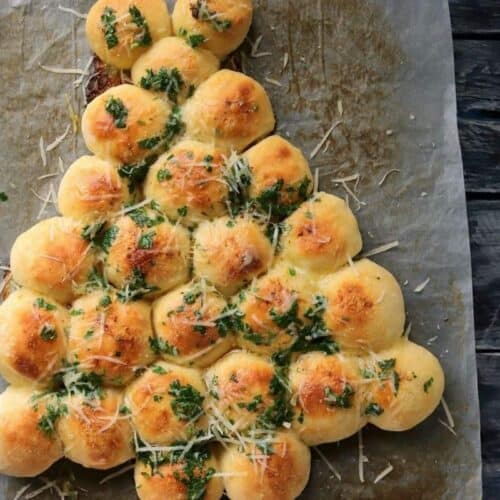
(116, 108)
(187, 402)
(108, 24)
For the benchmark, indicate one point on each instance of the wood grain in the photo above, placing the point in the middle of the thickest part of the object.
(477, 70)
(484, 226)
(475, 17)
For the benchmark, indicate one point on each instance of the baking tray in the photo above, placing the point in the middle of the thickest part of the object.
(381, 73)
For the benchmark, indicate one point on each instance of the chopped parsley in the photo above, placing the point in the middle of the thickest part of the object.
(46, 423)
(3, 196)
(187, 401)
(280, 411)
(200, 11)
(164, 80)
(428, 383)
(161, 346)
(48, 333)
(229, 321)
(146, 240)
(174, 126)
(159, 370)
(41, 303)
(238, 178)
(193, 39)
(105, 301)
(163, 175)
(141, 216)
(374, 409)
(190, 297)
(150, 142)
(287, 318)
(182, 211)
(116, 108)
(90, 231)
(124, 410)
(108, 237)
(343, 400)
(108, 24)
(96, 281)
(136, 172)
(144, 38)
(135, 287)
(253, 406)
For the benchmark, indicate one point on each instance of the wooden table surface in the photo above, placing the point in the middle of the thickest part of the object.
(476, 34)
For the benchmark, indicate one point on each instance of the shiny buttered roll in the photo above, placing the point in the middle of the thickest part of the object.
(275, 467)
(231, 252)
(365, 307)
(94, 432)
(28, 443)
(167, 404)
(281, 177)
(171, 478)
(53, 258)
(272, 307)
(229, 110)
(147, 254)
(109, 337)
(124, 122)
(119, 31)
(188, 184)
(327, 392)
(173, 69)
(219, 25)
(91, 190)
(190, 325)
(406, 386)
(321, 235)
(242, 388)
(33, 332)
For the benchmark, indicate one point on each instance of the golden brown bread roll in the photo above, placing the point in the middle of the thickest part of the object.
(119, 31)
(220, 25)
(272, 308)
(96, 433)
(275, 467)
(187, 325)
(167, 404)
(328, 396)
(321, 235)
(244, 390)
(365, 307)
(230, 252)
(110, 338)
(28, 442)
(281, 177)
(173, 69)
(121, 123)
(33, 331)
(229, 110)
(91, 190)
(178, 476)
(147, 255)
(53, 258)
(187, 182)
(407, 384)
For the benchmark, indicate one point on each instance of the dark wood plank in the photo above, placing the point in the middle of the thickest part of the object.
(488, 365)
(477, 69)
(484, 226)
(475, 17)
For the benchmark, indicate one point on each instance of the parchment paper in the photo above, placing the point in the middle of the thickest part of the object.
(382, 71)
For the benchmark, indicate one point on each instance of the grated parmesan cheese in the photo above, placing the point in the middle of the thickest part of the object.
(316, 150)
(444, 424)
(117, 473)
(58, 140)
(381, 249)
(384, 473)
(272, 81)
(389, 172)
(420, 288)
(72, 11)
(447, 412)
(333, 470)
(63, 71)
(21, 491)
(41, 146)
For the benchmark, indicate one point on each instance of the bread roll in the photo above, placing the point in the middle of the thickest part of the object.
(119, 31)
(220, 25)
(33, 332)
(188, 183)
(365, 307)
(52, 258)
(187, 325)
(110, 338)
(230, 252)
(281, 177)
(408, 384)
(167, 404)
(322, 235)
(169, 478)
(328, 396)
(120, 124)
(96, 433)
(173, 69)
(148, 254)
(28, 443)
(274, 468)
(229, 110)
(91, 190)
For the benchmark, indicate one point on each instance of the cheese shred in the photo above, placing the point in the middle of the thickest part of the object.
(384, 473)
